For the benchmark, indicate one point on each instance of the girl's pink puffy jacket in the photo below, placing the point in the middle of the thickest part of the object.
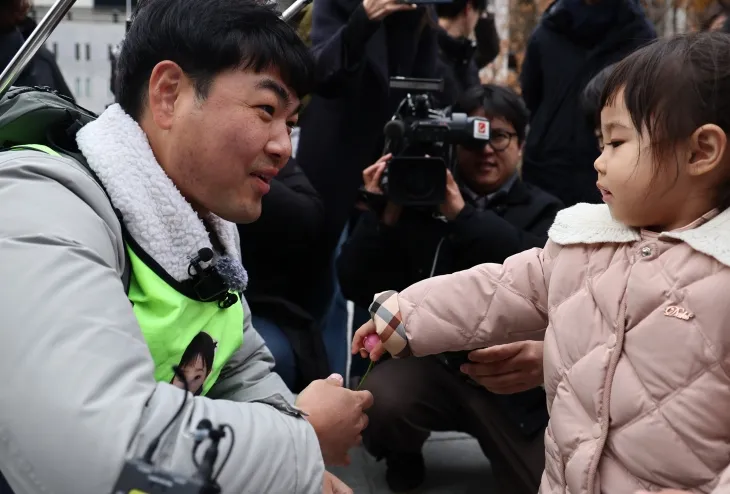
(637, 346)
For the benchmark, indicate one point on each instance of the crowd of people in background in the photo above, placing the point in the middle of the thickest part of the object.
(319, 253)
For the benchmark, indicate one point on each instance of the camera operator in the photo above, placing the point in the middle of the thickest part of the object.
(358, 45)
(489, 214)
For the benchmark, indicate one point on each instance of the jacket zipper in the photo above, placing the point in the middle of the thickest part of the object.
(606, 398)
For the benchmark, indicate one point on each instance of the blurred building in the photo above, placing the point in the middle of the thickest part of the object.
(82, 43)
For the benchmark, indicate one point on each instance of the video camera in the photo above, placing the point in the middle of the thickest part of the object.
(423, 142)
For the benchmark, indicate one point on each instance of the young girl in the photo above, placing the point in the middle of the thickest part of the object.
(631, 297)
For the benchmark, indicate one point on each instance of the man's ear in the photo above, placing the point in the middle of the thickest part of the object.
(707, 148)
(166, 84)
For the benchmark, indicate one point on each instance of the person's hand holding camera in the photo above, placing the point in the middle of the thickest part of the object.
(337, 415)
(377, 10)
(454, 202)
(371, 178)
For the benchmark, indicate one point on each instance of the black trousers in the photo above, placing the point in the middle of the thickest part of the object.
(414, 396)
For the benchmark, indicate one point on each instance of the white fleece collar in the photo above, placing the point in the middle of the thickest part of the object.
(155, 213)
(593, 224)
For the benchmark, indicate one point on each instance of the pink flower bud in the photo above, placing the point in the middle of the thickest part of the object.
(370, 341)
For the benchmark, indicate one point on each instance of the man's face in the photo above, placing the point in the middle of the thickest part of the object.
(485, 170)
(222, 151)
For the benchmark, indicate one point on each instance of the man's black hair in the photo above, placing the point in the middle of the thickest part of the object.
(497, 101)
(206, 38)
(456, 7)
(591, 97)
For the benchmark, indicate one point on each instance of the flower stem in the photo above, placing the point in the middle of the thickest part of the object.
(372, 362)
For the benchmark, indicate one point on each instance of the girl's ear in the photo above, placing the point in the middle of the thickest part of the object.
(707, 148)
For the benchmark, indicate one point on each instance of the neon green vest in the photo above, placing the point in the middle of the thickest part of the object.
(200, 337)
(172, 322)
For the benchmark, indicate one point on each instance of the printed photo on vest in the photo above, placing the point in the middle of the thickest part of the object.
(197, 362)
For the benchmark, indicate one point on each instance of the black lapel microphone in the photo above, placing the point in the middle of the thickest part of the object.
(207, 282)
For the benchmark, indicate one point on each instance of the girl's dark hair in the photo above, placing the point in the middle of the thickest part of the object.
(673, 86)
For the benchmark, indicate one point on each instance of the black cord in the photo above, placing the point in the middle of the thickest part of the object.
(195, 459)
(153, 445)
(228, 454)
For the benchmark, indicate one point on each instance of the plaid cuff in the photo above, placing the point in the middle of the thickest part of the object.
(385, 313)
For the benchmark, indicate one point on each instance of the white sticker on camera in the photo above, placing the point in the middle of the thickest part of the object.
(481, 129)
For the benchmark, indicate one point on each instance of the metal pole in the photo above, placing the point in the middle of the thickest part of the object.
(34, 42)
(294, 9)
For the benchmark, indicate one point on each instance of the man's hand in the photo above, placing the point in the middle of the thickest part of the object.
(377, 10)
(507, 369)
(454, 202)
(333, 485)
(371, 178)
(337, 415)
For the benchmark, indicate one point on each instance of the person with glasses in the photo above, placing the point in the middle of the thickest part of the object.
(489, 214)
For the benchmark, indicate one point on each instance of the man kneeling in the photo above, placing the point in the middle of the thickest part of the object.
(140, 206)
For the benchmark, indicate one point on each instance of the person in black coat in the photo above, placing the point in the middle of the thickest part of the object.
(15, 28)
(358, 46)
(275, 250)
(44, 65)
(460, 56)
(489, 215)
(573, 42)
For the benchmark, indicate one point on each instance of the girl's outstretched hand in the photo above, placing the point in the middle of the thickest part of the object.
(367, 343)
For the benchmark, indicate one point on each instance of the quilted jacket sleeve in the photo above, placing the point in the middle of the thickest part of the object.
(486, 305)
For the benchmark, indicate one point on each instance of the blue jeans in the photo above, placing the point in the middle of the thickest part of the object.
(276, 340)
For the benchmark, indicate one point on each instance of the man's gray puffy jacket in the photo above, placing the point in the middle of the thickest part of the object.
(77, 394)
